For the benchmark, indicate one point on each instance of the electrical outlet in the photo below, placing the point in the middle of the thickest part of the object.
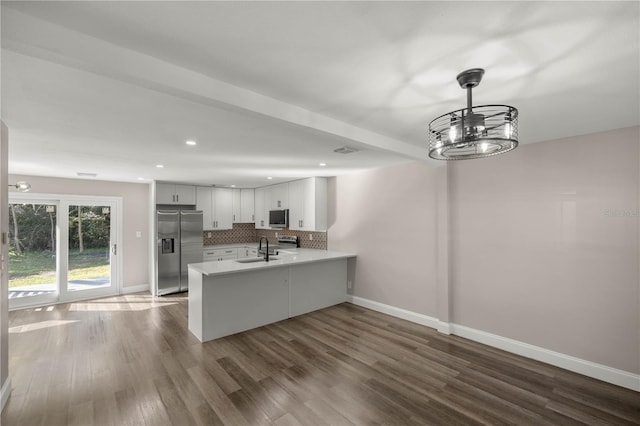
(138, 234)
(276, 235)
(209, 234)
(310, 237)
(349, 285)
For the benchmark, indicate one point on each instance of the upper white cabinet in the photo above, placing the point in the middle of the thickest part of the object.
(272, 197)
(222, 208)
(247, 203)
(217, 207)
(204, 202)
(237, 205)
(278, 196)
(262, 218)
(243, 202)
(308, 204)
(169, 193)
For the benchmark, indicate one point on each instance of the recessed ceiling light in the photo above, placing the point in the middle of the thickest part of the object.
(233, 186)
(269, 177)
(323, 164)
(140, 178)
(159, 166)
(191, 143)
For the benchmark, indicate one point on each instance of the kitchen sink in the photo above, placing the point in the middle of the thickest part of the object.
(255, 259)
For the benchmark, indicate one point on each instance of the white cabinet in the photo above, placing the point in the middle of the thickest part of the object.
(216, 206)
(236, 205)
(204, 202)
(261, 215)
(169, 193)
(218, 254)
(278, 196)
(243, 204)
(308, 204)
(222, 208)
(273, 197)
(247, 202)
(247, 252)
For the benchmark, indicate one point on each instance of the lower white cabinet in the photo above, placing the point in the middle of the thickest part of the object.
(218, 254)
(220, 305)
(247, 252)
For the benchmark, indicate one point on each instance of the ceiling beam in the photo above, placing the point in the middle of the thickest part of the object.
(27, 35)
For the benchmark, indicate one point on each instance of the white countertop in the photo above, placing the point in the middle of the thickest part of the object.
(284, 258)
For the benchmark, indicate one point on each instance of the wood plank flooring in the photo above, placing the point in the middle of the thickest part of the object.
(130, 360)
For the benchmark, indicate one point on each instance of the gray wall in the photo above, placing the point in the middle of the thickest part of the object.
(388, 218)
(538, 253)
(537, 249)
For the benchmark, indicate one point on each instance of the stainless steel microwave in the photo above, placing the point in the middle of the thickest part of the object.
(278, 218)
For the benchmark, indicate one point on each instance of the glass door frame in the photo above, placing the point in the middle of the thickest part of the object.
(62, 202)
(47, 298)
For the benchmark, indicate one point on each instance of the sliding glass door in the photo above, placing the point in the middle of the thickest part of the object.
(91, 247)
(33, 251)
(62, 249)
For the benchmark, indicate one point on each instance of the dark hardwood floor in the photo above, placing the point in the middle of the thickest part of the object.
(130, 360)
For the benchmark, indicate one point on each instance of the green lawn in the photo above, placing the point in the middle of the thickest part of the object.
(40, 267)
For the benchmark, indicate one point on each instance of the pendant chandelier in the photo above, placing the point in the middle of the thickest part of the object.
(21, 186)
(473, 132)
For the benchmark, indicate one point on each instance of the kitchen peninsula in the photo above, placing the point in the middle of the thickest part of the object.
(232, 296)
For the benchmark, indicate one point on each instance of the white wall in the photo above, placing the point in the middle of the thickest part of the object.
(388, 217)
(136, 216)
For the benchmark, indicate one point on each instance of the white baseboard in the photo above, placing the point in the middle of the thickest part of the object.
(135, 289)
(577, 365)
(5, 392)
(393, 311)
(587, 368)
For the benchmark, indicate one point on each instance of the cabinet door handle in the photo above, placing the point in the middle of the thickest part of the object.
(234, 217)
(253, 218)
(177, 197)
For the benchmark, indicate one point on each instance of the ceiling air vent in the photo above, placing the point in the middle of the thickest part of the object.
(345, 150)
(82, 174)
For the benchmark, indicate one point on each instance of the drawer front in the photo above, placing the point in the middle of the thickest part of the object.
(212, 255)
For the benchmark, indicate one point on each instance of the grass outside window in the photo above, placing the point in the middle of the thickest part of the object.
(32, 268)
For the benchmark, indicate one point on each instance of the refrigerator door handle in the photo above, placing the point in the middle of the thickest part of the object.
(114, 249)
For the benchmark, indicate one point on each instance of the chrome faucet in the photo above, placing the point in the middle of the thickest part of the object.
(266, 252)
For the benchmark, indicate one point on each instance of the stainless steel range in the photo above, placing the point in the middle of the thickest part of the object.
(288, 242)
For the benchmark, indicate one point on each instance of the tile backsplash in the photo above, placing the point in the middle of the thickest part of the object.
(241, 233)
(247, 233)
(318, 241)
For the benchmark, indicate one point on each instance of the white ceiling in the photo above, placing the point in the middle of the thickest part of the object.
(272, 88)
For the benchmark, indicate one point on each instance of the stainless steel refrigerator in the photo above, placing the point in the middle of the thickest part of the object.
(179, 243)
